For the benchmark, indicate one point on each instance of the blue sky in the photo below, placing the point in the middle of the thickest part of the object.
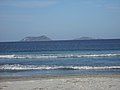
(59, 19)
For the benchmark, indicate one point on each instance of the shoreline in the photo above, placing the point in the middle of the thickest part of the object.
(65, 82)
(39, 77)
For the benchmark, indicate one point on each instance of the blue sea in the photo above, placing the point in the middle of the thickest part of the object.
(63, 57)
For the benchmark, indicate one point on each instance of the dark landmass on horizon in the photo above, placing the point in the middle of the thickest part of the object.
(39, 38)
(45, 38)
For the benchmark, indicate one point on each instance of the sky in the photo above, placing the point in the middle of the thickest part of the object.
(59, 19)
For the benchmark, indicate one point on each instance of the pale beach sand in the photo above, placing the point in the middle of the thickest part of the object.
(93, 82)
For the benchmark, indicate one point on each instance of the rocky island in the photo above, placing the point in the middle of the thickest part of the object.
(45, 38)
(39, 38)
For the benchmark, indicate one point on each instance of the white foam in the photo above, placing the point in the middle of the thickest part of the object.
(33, 67)
(32, 56)
(7, 56)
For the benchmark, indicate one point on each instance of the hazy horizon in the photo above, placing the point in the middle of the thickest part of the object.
(59, 19)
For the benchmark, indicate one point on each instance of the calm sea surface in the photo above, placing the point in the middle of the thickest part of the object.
(80, 57)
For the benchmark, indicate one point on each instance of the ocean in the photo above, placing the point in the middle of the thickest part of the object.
(63, 57)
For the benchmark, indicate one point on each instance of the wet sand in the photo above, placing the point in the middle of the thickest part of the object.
(90, 82)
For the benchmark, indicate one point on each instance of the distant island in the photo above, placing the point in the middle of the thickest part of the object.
(45, 38)
(39, 38)
(84, 38)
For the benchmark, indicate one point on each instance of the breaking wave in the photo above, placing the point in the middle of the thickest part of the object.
(35, 56)
(34, 67)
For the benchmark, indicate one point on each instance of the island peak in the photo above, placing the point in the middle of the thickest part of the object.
(39, 38)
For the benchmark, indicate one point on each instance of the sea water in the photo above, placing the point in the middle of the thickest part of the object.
(70, 57)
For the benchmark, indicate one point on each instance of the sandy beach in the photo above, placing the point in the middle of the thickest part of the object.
(96, 82)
